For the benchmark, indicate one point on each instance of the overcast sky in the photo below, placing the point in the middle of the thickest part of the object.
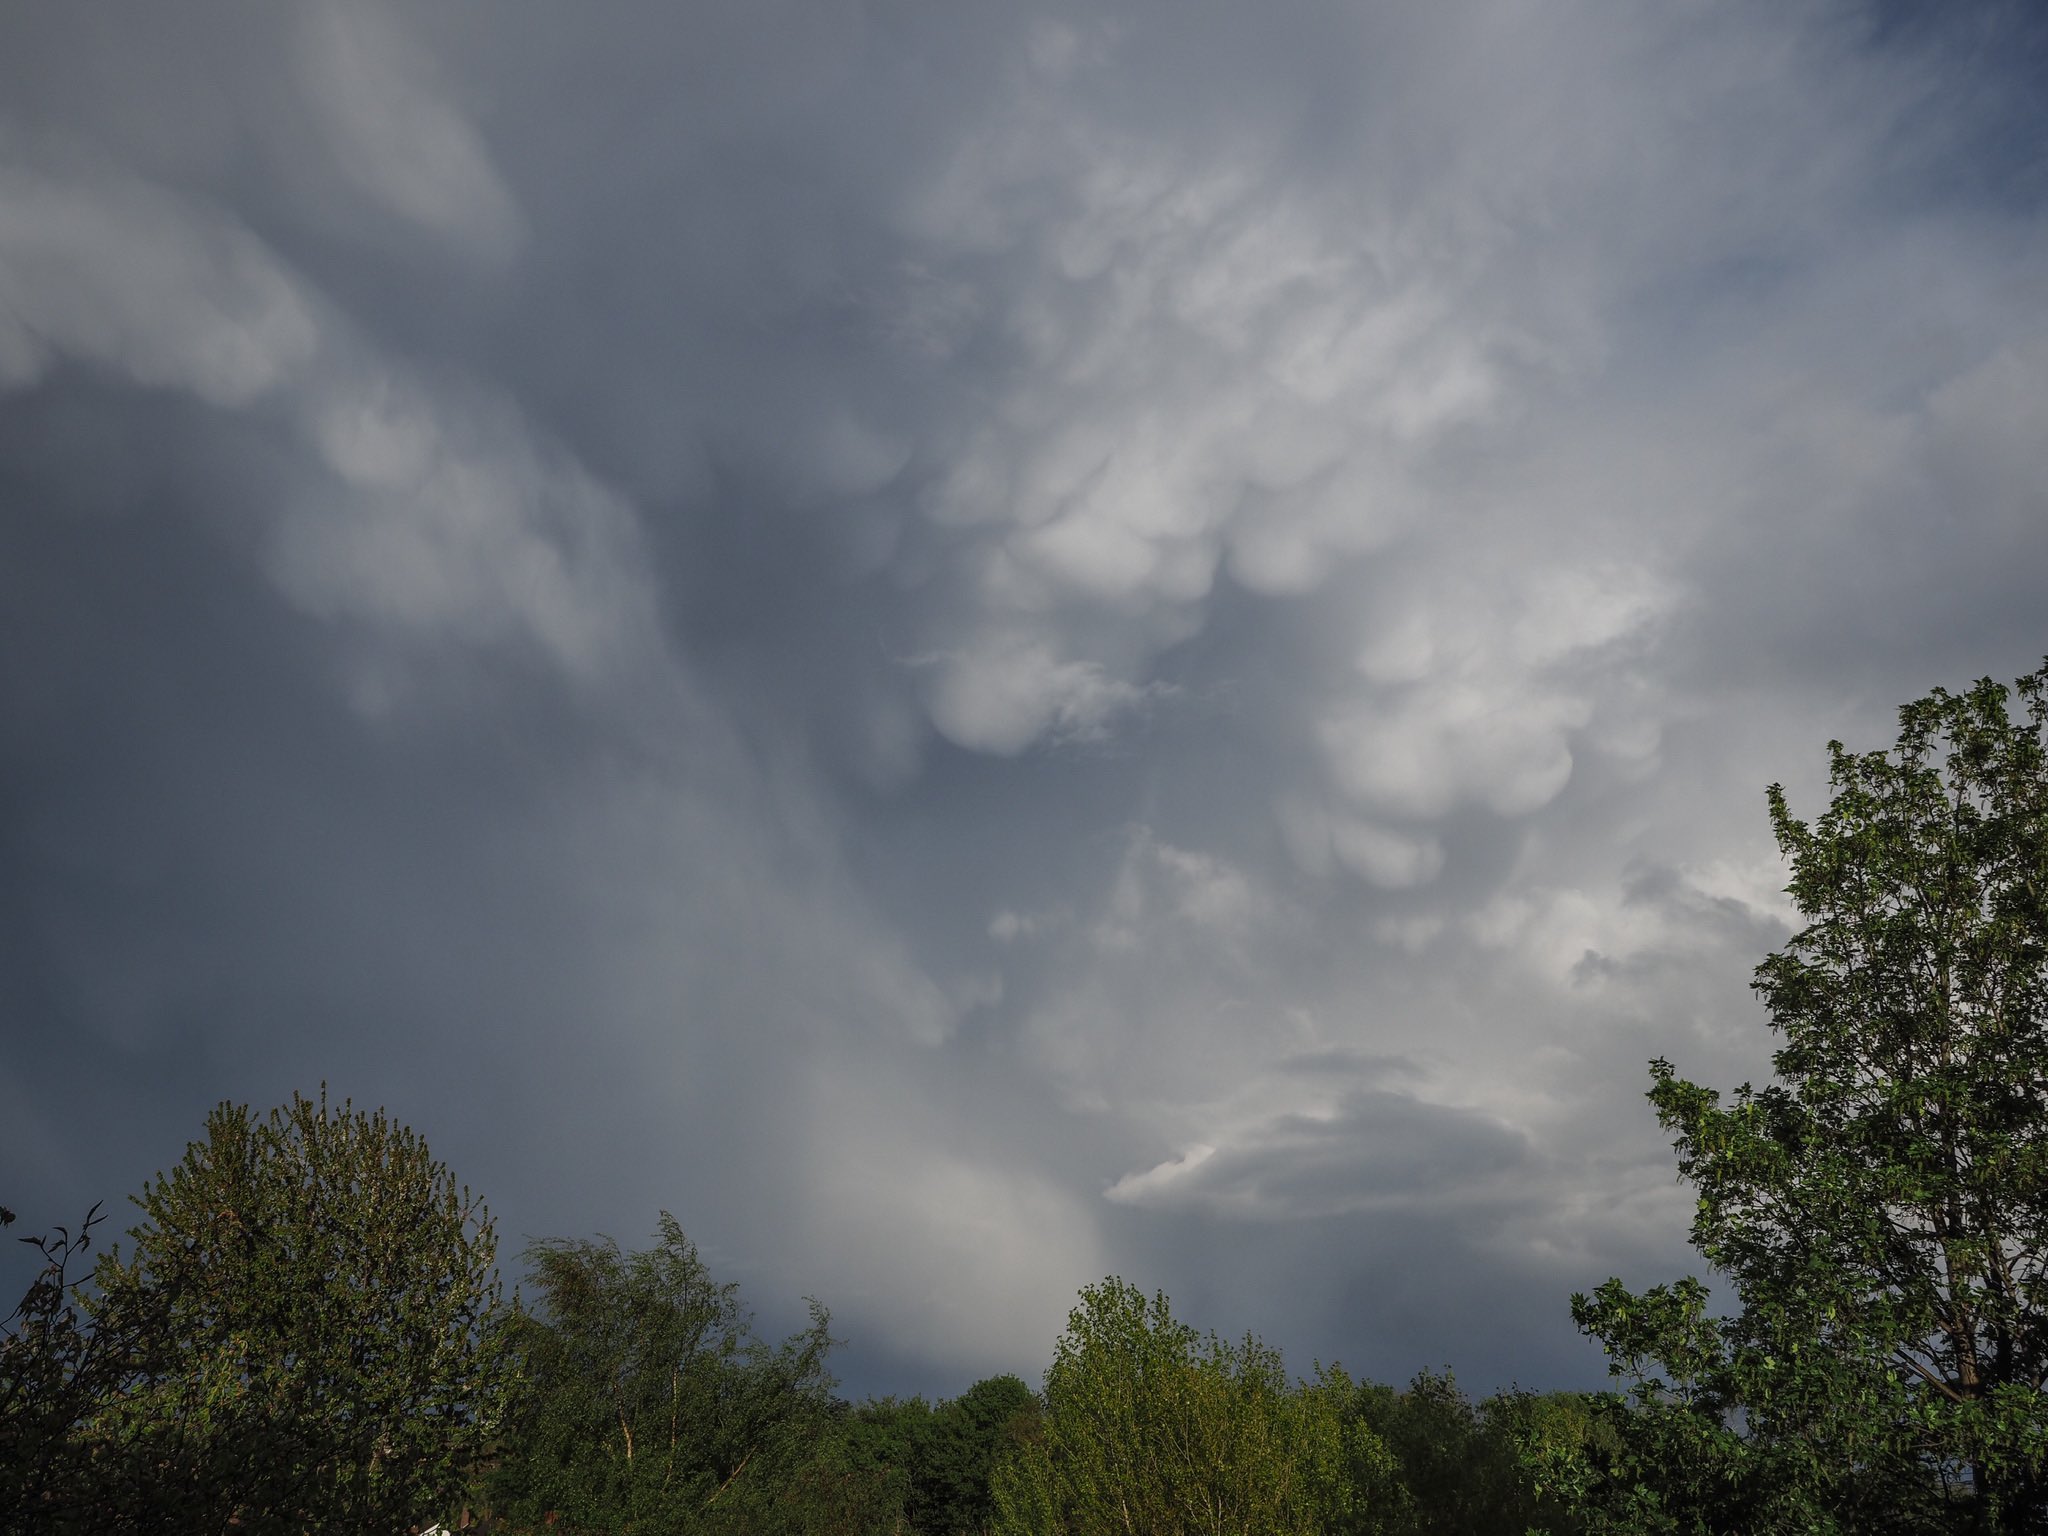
(982, 645)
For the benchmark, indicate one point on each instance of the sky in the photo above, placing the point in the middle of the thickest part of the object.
(978, 646)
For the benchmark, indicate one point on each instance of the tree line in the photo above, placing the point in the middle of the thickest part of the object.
(306, 1329)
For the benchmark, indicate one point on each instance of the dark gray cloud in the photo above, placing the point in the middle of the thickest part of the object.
(977, 650)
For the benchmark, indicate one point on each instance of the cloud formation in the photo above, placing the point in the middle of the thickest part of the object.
(978, 649)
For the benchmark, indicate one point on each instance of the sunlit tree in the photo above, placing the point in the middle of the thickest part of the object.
(1880, 1208)
(1150, 1427)
(309, 1302)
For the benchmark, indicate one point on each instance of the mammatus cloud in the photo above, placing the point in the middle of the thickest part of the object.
(1008, 691)
(385, 116)
(1216, 367)
(439, 515)
(974, 650)
(113, 272)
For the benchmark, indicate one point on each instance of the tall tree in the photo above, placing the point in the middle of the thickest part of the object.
(649, 1403)
(953, 1459)
(1459, 1468)
(1151, 1429)
(1881, 1208)
(309, 1307)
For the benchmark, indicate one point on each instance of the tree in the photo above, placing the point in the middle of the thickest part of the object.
(953, 1456)
(310, 1301)
(1881, 1208)
(649, 1403)
(56, 1371)
(904, 1467)
(1152, 1428)
(1458, 1468)
(855, 1478)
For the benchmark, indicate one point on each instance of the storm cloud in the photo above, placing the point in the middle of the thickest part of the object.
(982, 646)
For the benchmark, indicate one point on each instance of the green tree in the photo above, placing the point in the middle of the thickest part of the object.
(1459, 1468)
(1881, 1208)
(952, 1457)
(309, 1304)
(859, 1477)
(1152, 1428)
(648, 1403)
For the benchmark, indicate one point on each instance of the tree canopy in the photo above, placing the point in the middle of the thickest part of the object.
(1152, 1427)
(1881, 1208)
(309, 1306)
(647, 1401)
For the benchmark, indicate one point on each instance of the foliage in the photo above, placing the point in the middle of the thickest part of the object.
(648, 1403)
(1882, 1207)
(911, 1468)
(1460, 1468)
(309, 1303)
(854, 1480)
(1150, 1427)
(55, 1371)
(955, 1451)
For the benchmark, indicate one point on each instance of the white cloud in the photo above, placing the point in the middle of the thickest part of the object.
(1006, 927)
(1474, 686)
(447, 519)
(1207, 891)
(1375, 1150)
(394, 133)
(1160, 1180)
(1380, 855)
(1384, 857)
(125, 276)
(1222, 363)
(443, 515)
(1008, 691)
(1421, 753)
(1556, 931)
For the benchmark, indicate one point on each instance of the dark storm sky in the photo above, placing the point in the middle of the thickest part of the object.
(982, 645)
